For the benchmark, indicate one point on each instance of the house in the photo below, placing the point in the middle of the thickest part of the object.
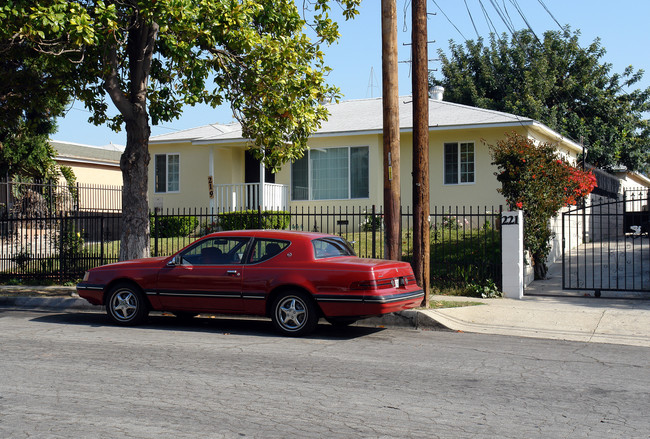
(208, 166)
(98, 165)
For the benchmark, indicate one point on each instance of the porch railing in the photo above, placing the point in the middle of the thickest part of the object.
(248, 196)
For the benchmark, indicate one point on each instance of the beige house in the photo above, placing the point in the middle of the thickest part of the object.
(98, 165)
(208, 166)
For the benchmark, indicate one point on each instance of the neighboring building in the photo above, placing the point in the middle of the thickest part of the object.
(344, 164)
(99, 165)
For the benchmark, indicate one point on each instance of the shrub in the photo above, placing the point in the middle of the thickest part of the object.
(534, 178)
(172, 226)
(252, 219)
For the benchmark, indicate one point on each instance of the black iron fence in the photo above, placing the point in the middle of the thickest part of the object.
(606, 246)
(28, 198)
(57, 247)
(465, 241)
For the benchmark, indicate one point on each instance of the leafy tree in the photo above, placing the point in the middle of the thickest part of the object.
(534, 178)
(32, 94)
(152, 57)
(558, 83)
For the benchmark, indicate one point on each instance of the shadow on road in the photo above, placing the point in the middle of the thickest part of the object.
(246, 326)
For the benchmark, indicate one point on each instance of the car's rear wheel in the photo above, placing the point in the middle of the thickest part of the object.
(294, 314)
(126, 305)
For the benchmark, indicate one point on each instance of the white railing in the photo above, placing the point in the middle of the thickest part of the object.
(246, 196)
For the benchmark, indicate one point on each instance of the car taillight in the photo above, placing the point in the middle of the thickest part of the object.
(393, 282)
(364, 285)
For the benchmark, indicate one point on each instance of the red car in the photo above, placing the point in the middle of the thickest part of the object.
(292, 277)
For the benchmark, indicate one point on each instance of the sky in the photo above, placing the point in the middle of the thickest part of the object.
(622, 27)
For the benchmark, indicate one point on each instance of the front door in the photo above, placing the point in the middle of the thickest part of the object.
(207, 277)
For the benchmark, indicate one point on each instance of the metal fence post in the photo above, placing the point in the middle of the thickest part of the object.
(373, 227)
(156, 227)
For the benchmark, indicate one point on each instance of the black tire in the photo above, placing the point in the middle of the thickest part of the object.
(293, 313)
(126, 305)
(341, 321)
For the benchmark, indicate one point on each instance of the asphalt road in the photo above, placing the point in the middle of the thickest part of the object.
(66, 375)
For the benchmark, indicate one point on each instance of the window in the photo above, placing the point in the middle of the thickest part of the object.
(331, 174)
(331, 247)
(459, 163)
(264, 249)
(216, 251)
(167, 173)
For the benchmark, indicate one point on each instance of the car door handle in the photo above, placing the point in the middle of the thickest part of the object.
(233, 273)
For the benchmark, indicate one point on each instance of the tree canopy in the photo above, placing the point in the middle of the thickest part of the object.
(559, 83)
(152, 57)
(32, 94)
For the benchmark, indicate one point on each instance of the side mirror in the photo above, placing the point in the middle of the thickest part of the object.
(176, 260)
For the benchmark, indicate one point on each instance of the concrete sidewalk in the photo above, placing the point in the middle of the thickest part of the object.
(617, 321)
(577, 318)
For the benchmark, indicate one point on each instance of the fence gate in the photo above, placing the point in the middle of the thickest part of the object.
(606, 247)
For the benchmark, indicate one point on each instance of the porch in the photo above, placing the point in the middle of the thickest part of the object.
(249, 196)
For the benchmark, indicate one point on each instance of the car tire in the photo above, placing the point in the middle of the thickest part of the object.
(126, 305)
(341, 321)
(294, 314)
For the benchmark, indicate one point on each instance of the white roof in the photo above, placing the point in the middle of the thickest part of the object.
(364, 116)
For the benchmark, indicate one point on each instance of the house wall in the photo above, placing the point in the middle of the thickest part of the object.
(228, 166)
(94, 174)
(482, 192)
(229, 169)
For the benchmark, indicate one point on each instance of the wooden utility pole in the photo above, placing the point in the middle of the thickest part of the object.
(421, 249)
(390, 92)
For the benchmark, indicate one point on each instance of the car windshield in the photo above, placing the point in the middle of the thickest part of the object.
(331, 247)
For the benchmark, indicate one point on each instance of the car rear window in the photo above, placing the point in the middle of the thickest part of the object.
(331, 247)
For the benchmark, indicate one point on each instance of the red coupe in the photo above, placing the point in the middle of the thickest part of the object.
(292, 277)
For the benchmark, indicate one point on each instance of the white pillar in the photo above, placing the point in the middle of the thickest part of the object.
(512, 254)
(262, 184)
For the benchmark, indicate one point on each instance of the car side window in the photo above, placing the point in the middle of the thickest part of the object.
(265, 249)
(331, 247)
(216, 251)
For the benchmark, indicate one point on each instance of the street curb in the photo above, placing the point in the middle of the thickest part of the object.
(403, 319)
(48, 303)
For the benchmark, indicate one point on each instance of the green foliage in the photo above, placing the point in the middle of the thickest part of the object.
(371, 223)
(70, 242)
(71, 181)
(459, 258)
(251, 219)
(172, 226)
(486, 290)
(534, 178)
(555, 81)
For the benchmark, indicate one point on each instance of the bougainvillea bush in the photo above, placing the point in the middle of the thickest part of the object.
(537, 180)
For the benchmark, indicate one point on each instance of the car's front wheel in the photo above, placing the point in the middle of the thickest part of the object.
(126, 305)
(294, 314)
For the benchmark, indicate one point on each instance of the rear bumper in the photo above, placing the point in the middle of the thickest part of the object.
(339, 305)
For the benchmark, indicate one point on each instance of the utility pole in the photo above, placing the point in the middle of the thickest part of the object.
(390, 102)
(421, 248)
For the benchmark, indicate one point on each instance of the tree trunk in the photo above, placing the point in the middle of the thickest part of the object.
(540, 268)
(135, 203)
